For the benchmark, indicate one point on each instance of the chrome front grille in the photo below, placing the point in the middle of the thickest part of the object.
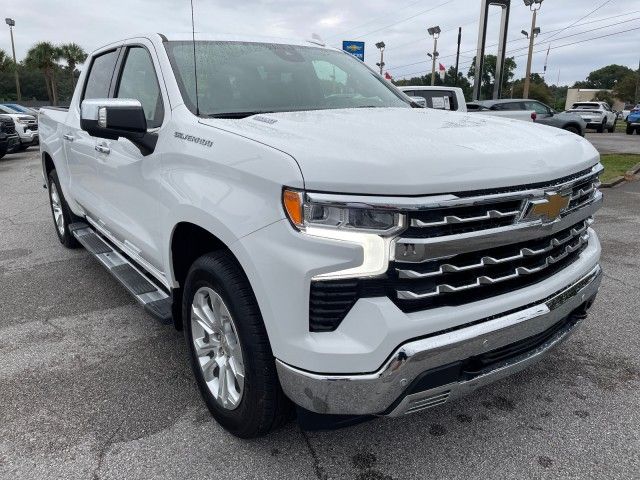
(473, 271)
(471, 247)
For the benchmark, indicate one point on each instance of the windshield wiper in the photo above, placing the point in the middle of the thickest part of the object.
(238, 114)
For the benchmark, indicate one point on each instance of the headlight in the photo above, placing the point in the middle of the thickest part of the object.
(372, 229)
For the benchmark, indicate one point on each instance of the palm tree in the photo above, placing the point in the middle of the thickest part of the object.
(44, 57)
(73, 54)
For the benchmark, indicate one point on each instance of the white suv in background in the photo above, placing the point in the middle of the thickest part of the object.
(598, 115)
(26, 126)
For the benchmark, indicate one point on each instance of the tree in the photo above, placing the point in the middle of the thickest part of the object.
(604, 96)
(625, 89)
(44, 56)
(488, 77)
(73, 54)
(537, 91)
(605, 78)
(6, 63)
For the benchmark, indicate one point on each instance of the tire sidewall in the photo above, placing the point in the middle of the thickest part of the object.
(232, 420)
(65, 238)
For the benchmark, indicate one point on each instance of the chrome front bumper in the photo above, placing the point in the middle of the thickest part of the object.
(384, 392)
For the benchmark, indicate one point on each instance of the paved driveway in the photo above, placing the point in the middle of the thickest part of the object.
(615, 142)
(91, 387)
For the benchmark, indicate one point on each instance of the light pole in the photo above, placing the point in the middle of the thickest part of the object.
(435, 33)
(12, 23)
(380, 46)
(534, 5)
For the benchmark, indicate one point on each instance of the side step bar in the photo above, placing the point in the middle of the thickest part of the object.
(153, 298)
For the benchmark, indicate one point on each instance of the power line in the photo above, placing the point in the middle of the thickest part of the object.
(542, 43)
(544, 49)
(373, 20)
(547, 42)
(579, 20)
(405, 19)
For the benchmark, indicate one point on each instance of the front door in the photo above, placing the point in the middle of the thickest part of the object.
(129, 187)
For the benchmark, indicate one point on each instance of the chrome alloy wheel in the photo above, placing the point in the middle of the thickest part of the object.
(56, 206)
(217, 347)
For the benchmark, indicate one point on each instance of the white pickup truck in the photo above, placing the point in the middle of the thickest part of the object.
(322, 243)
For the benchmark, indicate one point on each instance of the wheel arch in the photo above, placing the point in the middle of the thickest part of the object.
(189, 241)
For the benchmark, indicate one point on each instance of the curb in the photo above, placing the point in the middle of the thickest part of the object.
(628, 177)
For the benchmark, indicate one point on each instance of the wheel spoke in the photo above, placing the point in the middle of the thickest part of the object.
(205, 348)
(223, 389)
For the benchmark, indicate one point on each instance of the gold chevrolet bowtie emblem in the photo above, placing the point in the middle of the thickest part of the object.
(548, 209)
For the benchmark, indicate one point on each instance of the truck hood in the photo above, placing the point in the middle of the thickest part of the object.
(398, 151)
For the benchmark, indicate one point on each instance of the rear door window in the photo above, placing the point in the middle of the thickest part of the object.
(537, 107)
(100, 74)
(509, 106)
(438, 99)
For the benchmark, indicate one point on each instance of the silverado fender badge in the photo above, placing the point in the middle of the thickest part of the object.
(190, 138)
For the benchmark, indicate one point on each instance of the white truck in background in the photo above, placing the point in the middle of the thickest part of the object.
(321, 243)
(438, 98)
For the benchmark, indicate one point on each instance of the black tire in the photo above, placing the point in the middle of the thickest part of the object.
(65, 237)
(22, 148)
(572, 129)
(613, 127)
(600, 128)
(263, 406)
(630, 130)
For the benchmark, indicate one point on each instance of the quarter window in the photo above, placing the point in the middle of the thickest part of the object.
(139, 81)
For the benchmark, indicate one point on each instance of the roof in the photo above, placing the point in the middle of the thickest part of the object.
(488, 103)
(425, 87)
(221, 37)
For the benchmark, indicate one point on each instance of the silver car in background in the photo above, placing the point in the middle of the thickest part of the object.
(544, 114)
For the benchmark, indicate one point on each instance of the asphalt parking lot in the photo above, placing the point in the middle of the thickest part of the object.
(91, 387)
(614, 142)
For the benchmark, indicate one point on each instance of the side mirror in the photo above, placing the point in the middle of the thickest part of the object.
(420, 101)
(113, 118)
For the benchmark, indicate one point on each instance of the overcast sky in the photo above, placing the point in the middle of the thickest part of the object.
(401, 24)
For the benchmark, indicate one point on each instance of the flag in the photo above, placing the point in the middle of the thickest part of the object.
(442, 71)
(387, 76)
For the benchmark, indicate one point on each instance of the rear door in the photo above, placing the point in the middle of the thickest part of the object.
(84, 180)
(129, 188)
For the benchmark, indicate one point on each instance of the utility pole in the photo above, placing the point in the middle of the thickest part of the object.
(638, 86)
(435, 33)
(534, 5)
(11, 22)
(381, 46)
(455, 82)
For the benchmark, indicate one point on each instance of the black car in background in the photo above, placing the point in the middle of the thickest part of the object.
(9, 139)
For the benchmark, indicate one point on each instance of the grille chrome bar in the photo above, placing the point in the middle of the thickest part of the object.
(452, 219)
(420, 250)
(486, 280)
(524, 253)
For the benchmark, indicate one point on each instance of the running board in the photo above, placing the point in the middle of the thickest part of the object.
(153, 298)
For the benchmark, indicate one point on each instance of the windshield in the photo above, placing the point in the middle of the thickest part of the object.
(237, 79)
(5, 109)
(585, 106)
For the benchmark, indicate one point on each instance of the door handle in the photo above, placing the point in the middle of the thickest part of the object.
(103, 149)
(69, 138)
